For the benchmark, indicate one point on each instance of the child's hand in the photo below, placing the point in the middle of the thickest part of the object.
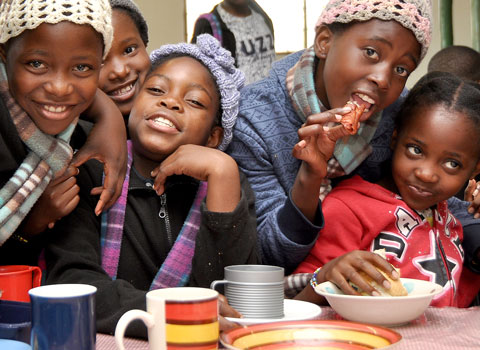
(471, 195)
(345, 268)
(59, 199)
(204, 164)
(107, 142)
(317, 141)
(226, 311)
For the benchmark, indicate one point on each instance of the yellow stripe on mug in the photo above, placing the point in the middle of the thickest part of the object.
(187, 334)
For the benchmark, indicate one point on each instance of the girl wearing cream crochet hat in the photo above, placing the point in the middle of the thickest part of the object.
(52, 51)
(364, 51)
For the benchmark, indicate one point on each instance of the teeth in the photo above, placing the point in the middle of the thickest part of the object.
(163, 121)
(123, 90)
(366, 98)
(53, 109)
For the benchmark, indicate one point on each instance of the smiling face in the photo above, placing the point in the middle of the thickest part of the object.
(369, 62)
(53, 77)
(177, 105)
(434, 155)
(127, 63)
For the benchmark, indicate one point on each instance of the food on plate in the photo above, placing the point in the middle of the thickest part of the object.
(350, 120)
(397, 288)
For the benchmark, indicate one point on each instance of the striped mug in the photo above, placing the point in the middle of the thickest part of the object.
(177, 318)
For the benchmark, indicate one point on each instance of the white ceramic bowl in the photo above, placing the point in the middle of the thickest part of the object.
(385, 311)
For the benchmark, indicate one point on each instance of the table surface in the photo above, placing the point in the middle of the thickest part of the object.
(439, 328)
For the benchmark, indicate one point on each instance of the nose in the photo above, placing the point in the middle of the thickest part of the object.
(426, 173)
(382, 76)
(171, 102)
(59, 85)
(117, 69)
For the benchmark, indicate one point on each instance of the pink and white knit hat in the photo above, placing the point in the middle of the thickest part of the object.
(16, 16)
(415, 15)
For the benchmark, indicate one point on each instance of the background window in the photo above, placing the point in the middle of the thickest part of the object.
(293, 20)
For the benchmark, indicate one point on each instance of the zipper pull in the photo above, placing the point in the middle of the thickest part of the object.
(163, 210)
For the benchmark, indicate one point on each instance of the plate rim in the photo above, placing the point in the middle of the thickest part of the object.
(358, 326)
(253, 321)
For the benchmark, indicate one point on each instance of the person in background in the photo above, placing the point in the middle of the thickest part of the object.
(463, 61)
(185, 212)
(246, 31)
(127, 62)
(363, 51)
(52, 59)
(435, 150)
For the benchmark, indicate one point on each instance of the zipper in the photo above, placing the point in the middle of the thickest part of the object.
(447, 268)
(163, 214)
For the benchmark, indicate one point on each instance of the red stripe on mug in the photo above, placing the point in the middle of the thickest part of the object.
(178, 311)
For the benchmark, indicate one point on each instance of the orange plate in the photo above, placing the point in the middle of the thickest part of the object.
(315, 334)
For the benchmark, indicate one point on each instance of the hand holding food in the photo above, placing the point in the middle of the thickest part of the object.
(396, 289)
(350, 120)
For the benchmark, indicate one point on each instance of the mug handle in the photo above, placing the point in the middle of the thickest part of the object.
(128, 317)
(214, 284)
(37, 276)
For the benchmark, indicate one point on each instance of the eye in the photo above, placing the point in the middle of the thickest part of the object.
(36, 64)
(82, 68)
(414, 149)
(130, 49)
(155, 90)
(371, 53)
(196, 103)
(402, 71)
(452, 164)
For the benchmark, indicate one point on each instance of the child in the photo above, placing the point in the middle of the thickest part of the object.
(246, 31)
(435, 151)
(48, 86)
(463, 61)
(127, 63)
(364, 50)
(172, 229)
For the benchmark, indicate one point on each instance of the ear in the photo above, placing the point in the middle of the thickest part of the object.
(3, 53)
(215, 138)
(323, 40)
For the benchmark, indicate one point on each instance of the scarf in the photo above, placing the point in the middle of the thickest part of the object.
(175, 270)
(48, 157)
(301, 88)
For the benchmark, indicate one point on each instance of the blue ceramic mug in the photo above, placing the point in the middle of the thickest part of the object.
(63, 317)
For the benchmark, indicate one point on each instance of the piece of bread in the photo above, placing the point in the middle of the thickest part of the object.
(396, 289)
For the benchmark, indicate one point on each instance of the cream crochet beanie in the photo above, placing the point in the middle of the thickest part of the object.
(415, 15)
(17, 16)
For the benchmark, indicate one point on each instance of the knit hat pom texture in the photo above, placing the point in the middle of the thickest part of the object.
(16, 16)
(415, 15)
(221, 64)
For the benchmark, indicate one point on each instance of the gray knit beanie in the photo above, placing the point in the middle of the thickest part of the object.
(16, 16)
(134, 12)
(221, 64)
(415, 15)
